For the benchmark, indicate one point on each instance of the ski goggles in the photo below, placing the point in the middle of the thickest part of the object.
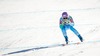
(65, 18)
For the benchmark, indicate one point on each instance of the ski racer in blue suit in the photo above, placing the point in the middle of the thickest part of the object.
(66, 22)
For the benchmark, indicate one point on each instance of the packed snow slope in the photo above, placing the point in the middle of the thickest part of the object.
(30, 23)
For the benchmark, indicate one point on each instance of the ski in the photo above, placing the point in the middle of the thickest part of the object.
(50, 46)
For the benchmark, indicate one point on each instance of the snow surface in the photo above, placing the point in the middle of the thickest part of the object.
(30, 23)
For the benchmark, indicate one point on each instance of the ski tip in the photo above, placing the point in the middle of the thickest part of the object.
(63, 44)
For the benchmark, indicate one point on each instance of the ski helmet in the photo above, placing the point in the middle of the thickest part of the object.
(64, 14)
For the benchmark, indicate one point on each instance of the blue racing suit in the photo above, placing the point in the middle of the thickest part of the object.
(66, 24)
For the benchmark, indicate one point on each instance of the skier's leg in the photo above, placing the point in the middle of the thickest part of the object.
(65, 35)
(76, 33)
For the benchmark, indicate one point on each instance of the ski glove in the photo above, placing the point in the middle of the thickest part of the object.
(61, 26)
(71, 24)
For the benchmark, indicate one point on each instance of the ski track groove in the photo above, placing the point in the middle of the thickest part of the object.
(50, 11)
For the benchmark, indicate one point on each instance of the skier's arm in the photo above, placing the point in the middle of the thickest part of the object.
(60, 23)
(72, 22)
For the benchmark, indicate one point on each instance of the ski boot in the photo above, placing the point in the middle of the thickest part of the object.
(66, 39)
(80, 37)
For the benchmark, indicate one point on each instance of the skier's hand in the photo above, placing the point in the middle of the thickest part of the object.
(61, 26)
(71, 24)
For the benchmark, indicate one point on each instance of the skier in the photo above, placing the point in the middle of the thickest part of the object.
(66, 22)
